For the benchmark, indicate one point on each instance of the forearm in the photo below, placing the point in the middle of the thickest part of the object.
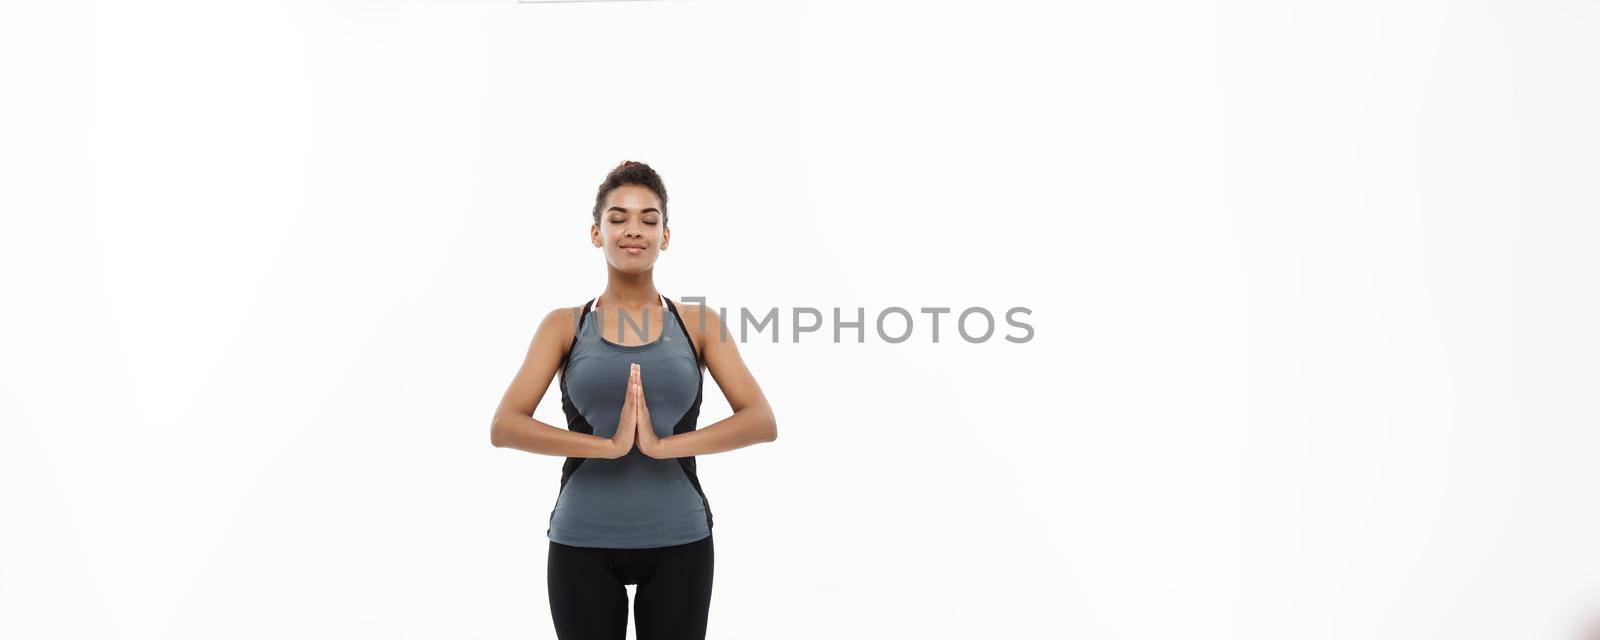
(745, 427)
(524, 433)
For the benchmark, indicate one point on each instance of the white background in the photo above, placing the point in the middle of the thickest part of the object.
(1313, 288)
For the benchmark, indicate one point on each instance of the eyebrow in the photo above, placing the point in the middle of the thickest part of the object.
(624, 211)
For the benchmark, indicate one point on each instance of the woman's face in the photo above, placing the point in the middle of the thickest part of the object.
(632, 231)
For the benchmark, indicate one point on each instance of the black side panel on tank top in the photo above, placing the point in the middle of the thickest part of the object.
(687, 423)
(575, 420)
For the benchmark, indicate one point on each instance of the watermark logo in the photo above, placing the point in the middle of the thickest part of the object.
(892, 325)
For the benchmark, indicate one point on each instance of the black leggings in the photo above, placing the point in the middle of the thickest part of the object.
(588, 601)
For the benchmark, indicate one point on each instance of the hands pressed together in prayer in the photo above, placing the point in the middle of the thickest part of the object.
(634, 426)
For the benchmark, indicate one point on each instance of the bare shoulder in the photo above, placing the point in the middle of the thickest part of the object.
(560, 324)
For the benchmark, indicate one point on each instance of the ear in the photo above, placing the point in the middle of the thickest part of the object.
(666, 237)
(594, 235)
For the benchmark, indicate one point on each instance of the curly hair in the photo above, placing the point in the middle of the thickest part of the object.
(635, 173)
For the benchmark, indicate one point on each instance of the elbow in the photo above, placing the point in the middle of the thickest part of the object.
(497, 436)
(772, 427)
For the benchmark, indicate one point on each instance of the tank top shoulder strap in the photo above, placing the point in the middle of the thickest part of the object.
(682, 327)
(582, 315)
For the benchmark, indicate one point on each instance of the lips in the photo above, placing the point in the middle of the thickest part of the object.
(633, 249)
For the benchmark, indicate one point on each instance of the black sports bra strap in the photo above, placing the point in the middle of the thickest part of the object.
(579, 326)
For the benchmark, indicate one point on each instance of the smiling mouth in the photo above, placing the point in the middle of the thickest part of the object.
(633, 250)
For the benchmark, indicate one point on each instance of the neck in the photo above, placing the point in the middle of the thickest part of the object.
(626, 291)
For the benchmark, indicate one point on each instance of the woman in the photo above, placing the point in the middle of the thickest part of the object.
(630, 508)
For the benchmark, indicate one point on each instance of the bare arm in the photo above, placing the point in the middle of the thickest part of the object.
(515, 427)
(752, 420)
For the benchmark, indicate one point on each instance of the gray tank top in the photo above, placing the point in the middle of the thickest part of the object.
(632, 502)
